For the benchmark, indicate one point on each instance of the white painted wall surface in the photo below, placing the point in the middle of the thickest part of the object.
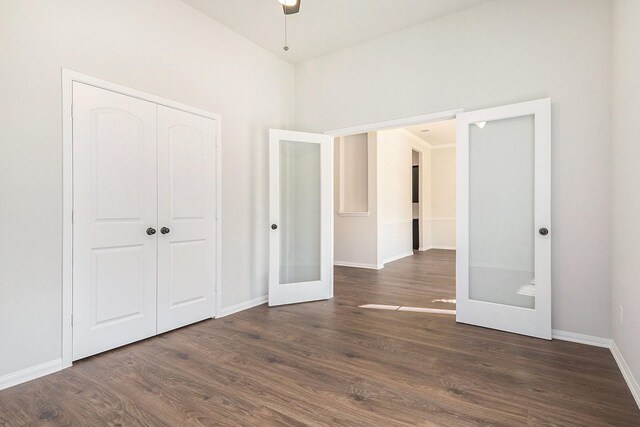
(498, 53)
(625, 269)
(426, 240)
(395, 177)
(163, 47)
(442, 215)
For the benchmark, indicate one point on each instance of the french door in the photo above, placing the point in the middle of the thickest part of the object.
(503, 264)
(143, 219)
(300, 259)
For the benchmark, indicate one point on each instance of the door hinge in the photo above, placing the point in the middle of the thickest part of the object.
(71, 319)
(71, 110)
(73, 216)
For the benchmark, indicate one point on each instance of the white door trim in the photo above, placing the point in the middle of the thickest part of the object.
(68, 77)
(396, 123)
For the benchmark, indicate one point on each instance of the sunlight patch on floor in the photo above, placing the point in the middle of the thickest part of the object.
(427, 310)
(448, 301)
(404, 308)
(380, 306)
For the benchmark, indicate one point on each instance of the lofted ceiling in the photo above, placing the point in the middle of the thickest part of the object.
(323, 26)
(437, 133)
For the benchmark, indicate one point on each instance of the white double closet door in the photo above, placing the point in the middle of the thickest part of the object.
(143, 219)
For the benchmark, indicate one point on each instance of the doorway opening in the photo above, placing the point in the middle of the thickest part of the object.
(395, 193)
(415, 197)
(502, 271)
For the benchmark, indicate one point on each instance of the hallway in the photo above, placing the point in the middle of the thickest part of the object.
(414, 281)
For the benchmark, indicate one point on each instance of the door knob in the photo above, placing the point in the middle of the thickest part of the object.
(543, 231)
(165, 230)
(274, 226)
(151, 231)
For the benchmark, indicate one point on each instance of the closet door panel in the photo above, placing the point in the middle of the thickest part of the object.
(186, 217)
(115, 202)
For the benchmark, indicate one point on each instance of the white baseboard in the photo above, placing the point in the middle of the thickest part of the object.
(56, 365)
(448, 248)
(580, 338)
(31, 373)
(626, 373)
(631, 381)
(397, 257)
(358, 265)
(243, 306)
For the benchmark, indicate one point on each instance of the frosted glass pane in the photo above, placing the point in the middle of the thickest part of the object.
(501, 212)
(299, 212)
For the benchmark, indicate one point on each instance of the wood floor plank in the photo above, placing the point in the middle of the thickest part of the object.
(335, 363)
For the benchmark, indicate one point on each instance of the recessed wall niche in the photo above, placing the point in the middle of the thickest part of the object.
(353, 176)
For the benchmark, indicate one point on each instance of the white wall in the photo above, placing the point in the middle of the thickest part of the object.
(395, 177)
(625, 269)
(160, 46)
(442, 213)
(424, 225)
(500, 52)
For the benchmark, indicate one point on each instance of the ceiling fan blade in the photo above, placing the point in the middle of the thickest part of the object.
(290, 10)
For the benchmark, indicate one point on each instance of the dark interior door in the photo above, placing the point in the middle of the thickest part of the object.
(416, 199)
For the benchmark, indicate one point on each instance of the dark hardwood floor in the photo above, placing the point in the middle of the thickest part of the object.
(414, 281)
(333, 363)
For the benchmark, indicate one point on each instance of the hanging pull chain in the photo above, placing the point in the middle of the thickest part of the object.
(286, 47)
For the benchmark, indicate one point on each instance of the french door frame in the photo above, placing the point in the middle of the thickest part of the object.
(68, 77)
(305, 291)
(427, 118)
(536, 321)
